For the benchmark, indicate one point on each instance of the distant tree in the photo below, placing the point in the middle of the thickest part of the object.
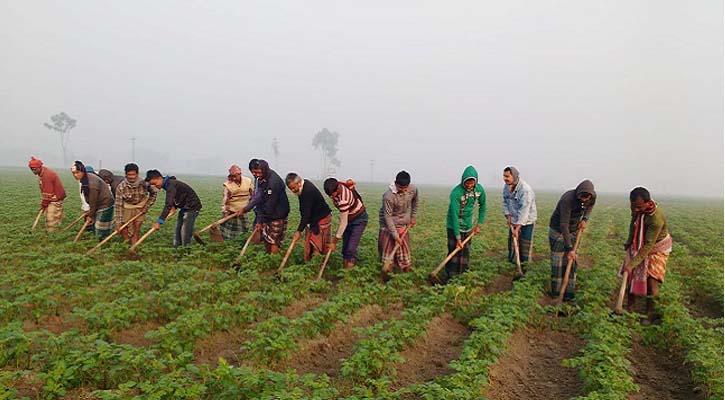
(326, 142)
(62, 124)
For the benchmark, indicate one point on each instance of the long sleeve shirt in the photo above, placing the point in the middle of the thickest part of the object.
(133, 195)
(398, 208)
(655, 227)
(179, 195)
(520, 204)
(51, 188)
(313, 206)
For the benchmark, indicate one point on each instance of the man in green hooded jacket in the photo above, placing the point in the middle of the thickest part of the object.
(459, 222)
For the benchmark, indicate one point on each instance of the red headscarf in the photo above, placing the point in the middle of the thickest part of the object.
(35, 163)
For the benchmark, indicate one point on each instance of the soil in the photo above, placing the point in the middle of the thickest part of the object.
(531, 367)
(429, 356)
(323, 355)
(135, 334)
(659, 375)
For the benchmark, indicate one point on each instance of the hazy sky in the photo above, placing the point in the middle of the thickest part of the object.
(625, 93)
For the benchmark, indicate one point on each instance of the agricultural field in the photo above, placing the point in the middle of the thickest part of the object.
(183, 324)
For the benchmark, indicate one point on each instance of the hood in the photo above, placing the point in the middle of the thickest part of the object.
(166, 181)
(106, 175)
(515, 174)
(469, 172)
(586, 186)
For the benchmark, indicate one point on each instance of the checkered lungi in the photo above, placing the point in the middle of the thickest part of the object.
(273, 231)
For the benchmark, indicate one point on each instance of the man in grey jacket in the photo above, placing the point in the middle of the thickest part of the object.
(398, 212)
(519, 208)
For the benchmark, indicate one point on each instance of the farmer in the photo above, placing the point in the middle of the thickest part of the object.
(353, 218)
(315, 216)
(183, 198)
(272, 204)
(519, 208)
(97, 195)
(52, 193)
(134, 196)
(459, 221)
(648, 246)
(571, 214)
(238, 190)
(111, 180)
(397, 212)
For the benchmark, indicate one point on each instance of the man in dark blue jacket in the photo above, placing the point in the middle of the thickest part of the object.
(270, 198)
(183, 198)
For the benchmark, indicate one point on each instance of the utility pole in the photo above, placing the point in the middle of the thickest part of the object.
(133, 149)
(372, 167)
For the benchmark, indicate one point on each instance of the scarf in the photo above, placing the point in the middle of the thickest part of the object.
(638, 239)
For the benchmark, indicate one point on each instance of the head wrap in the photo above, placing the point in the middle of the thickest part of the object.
(35, 163)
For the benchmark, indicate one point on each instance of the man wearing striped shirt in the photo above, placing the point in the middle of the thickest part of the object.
(353, 218)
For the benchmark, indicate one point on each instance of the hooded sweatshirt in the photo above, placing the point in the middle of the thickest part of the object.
(570, 210)
(179, 195)
(463, 204)
(270, 197)
(398, 208)
(107, 175)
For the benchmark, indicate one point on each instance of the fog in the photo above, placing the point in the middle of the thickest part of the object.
(625, 93)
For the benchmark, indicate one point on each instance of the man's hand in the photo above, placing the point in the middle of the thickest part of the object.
(296, 236)
(399, 241)
(477, 229)
(571, 256)
(156, 226)
(89, 220)
(582, 225)
(459, 244)
(333, 244)
(412, 223)
(258, 227)
(240, 213)
(508, 220)
(515, 231)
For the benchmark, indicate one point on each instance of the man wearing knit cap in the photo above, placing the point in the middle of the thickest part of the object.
(238, 190)
(51, 191)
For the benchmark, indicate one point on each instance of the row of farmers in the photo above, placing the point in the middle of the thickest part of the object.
(113, 203)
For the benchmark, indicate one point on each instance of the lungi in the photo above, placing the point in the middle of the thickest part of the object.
(317, 237)
(104, 222)
(234, 227)
(558, 265)
(654, 265)
(386, 244)
(53, 215)
(526, 241)
(273, 231)
(459, 263)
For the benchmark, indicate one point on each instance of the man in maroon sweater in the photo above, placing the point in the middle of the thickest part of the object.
(52, 193)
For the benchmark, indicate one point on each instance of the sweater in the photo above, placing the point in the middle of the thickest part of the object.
(313, 206)
(398, 208)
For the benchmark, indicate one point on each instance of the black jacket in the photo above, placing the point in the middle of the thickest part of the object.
(570, 210)
(179, 195)
(270, 197)
(313, 206)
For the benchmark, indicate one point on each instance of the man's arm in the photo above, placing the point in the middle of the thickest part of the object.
(388, 217)
(454, 208)
(169, 204)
